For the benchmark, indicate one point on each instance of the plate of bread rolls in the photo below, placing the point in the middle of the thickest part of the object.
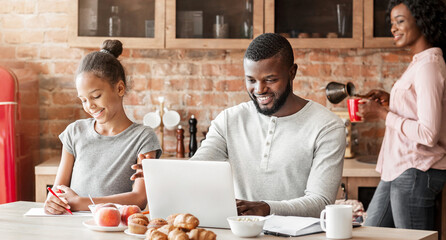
(176, 226)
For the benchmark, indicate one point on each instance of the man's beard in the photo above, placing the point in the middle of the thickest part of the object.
(277, 104)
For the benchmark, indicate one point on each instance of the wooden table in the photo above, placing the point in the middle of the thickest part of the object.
(13, 225)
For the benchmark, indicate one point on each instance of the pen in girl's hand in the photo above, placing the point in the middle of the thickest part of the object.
(51, 191)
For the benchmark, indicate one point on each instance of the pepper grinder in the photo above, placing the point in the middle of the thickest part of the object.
(180, 144)
(193, 135)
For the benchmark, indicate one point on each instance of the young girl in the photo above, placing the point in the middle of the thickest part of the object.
(98, 152)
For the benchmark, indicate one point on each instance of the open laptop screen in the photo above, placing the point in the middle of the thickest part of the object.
(202, 188)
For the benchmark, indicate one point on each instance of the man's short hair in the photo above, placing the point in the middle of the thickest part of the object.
(270, 45)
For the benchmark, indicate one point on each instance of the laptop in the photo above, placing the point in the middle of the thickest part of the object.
(202, 188)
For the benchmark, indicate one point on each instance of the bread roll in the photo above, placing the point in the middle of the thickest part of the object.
(166, 229)
(202, 234)
(171, 218)
(186, 221)
(154, 234)
(177, 234)
(138, 223)
(156, 223)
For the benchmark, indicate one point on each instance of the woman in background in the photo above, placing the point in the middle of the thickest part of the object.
(412, 160)
(98, 152)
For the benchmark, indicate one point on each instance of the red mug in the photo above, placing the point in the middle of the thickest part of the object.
(352, 105)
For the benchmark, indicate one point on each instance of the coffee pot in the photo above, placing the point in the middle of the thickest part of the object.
(336, 92)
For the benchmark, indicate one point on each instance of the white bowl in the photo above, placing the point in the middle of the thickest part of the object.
(246, 226)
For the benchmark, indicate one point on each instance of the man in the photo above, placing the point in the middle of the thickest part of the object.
(286, 152)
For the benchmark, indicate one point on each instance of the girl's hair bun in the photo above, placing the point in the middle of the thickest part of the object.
(114, 47)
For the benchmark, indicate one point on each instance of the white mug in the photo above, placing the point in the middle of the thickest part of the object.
(171, 119)
(338, 221)
(152, 119)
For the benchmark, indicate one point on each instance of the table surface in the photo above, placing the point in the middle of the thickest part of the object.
(13, 225)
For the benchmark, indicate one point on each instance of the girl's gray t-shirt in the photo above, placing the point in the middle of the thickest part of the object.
(102, 164)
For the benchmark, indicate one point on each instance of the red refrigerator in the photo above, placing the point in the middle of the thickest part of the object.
(8, 153)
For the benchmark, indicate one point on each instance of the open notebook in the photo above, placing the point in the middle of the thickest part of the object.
(290, 226)
(39, 212)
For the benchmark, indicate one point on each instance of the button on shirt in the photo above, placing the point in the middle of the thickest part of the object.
(415, 134)
(268, 140)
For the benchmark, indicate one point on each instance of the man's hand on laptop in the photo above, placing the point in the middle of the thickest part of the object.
(138, 166)
(252, 208)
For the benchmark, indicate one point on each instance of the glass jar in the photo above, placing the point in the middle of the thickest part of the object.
(114, 22)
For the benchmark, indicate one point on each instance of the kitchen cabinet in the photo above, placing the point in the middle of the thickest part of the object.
(377, 32)
(168, 23)
(230, 24)
(136, 23)
(376, 29)
(45, 176)
(218, 24)
(357, 175)
(317, 23)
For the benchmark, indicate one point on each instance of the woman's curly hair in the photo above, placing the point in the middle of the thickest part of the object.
(430, 16)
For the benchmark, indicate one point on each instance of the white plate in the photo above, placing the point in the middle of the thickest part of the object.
(134, 234)
(91, 224)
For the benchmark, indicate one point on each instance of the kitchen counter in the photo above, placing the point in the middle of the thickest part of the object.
(352, 168)
(355, 168)
(46, 174)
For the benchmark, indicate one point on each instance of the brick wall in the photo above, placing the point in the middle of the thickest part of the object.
(33, 42)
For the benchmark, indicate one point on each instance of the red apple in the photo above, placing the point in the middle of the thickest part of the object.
(107, 217)
(128, 210)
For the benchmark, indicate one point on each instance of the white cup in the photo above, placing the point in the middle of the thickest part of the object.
(336, 221)
(171, 119)
(152, 119)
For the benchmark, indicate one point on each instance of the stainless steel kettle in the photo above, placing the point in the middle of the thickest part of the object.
(336, 92)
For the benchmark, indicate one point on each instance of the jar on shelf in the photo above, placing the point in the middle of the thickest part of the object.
(221, 28)
(114, 23)
(246, 31)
